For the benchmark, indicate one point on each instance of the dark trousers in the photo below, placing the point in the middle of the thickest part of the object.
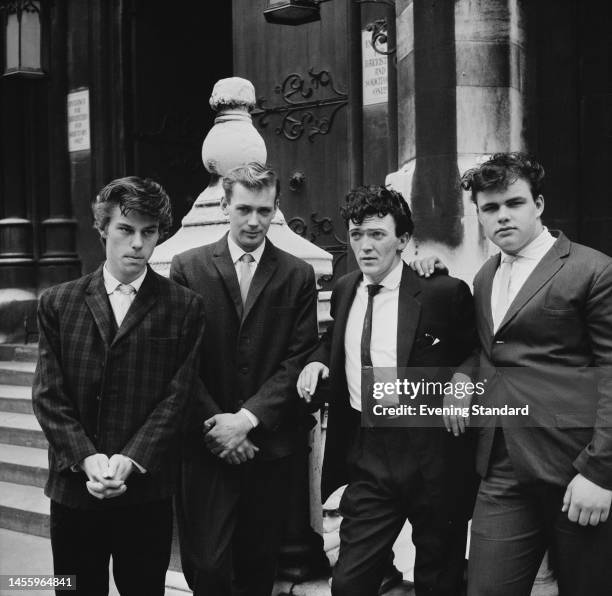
(138, 537)
(230, 524)
(385, 489)
(514, 524)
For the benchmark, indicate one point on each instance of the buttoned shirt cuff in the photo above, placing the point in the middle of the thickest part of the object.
(251, 417)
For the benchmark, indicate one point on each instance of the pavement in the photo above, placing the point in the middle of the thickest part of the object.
(24, 554)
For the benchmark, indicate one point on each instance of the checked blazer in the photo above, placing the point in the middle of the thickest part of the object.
(101, 390)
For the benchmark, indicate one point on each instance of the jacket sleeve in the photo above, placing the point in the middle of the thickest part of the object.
(322, 353)
(53, 406)
(269, 403)
(161, 428)
(203, 406)
(595, 461)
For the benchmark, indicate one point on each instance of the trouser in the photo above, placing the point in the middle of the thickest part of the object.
(514, 524)
(138, 537)
(385, 489)
(230, 523)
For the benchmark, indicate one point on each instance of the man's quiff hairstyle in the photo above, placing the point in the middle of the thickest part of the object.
(133, 194)
(254, 176)
(364, 201)
(501, 170)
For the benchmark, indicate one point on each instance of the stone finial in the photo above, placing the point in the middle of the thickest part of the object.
(232, 93)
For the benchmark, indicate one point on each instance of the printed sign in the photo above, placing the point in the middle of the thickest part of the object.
(375, 78)
(78, 121)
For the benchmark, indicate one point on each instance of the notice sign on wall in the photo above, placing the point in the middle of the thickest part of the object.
(78, 121)
(375, 78)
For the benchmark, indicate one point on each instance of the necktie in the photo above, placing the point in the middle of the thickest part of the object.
(366, 333)
(504, 288)
(124, 297)
(244, 269)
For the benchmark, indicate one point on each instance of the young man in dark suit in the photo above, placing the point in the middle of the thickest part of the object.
(544, 317)
(117, 362)
(261, 322)
(386, 317)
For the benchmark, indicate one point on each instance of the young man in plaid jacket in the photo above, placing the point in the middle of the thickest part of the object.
(117, 362)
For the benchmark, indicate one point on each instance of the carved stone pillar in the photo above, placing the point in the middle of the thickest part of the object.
(58, 259)
(462, 94)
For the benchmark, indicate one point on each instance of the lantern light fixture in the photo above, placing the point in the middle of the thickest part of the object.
(22, 38)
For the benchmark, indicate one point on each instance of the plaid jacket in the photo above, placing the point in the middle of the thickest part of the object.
(97, 391)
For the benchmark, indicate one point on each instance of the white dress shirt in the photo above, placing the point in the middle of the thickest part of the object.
(235, 253)
(111, 284)
(526, 261)
(383, 346)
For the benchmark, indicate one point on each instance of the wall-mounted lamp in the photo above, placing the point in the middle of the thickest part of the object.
(22, 38)
(292, 12)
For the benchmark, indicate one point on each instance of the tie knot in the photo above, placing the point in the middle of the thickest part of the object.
(126, 289)
(373, 289)
(246, 258)
(509, 259)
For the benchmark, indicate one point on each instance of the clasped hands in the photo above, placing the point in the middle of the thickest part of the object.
(106, 476)
(225, 436)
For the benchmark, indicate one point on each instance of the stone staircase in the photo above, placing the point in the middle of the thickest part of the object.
(23, 460)
(23, 447)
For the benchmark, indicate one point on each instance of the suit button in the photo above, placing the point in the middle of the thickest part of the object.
(244, 370)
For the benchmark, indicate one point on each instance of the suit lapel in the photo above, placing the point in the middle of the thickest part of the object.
(97, 301)
(223, 262)
(266, 267)
(545, 269)
(408, 314)
(484, 292)
(342, 309)
(144, 300)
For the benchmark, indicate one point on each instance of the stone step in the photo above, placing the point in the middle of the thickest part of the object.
(24, 509)
(23, 465)
(20, 352)
(13, 372)
(21, 429)
(16, 398)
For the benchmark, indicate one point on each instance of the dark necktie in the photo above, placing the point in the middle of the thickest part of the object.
(366, 333)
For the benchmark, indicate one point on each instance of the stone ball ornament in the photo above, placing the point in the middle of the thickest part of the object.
(233, 140)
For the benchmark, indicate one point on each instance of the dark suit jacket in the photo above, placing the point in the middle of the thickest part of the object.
(95, 393)
(558, 326)
(440, 306)
(252, 361)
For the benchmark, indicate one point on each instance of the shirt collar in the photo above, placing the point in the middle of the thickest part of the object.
(110, 283)
(538, 247)
(236, 252)
(391, 280)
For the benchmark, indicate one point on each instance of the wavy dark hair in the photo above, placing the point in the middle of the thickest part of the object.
(501, 170)
(133, 194)
(365, 201)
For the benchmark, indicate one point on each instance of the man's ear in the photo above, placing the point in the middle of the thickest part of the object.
(539, 201)
(404, 239)
(224, 205)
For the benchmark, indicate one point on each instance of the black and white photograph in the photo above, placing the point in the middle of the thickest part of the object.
(306, 297)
